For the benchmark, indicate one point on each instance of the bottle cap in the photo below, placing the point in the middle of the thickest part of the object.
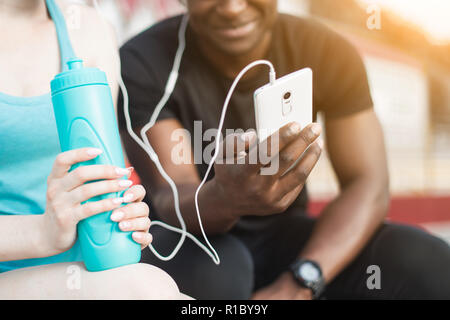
(77, 76)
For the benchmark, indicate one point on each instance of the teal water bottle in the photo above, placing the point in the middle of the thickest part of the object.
(85, 117)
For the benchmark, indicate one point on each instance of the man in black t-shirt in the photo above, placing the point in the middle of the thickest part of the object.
(268, 246)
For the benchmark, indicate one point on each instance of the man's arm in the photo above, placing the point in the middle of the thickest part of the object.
(236, 189)
(356, 148)
(184, 175)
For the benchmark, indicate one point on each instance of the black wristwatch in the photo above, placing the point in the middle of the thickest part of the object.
(308, 274)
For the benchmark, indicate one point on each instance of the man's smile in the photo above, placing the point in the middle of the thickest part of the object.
(236, 32)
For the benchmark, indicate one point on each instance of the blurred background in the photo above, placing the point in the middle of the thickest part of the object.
(405, 45)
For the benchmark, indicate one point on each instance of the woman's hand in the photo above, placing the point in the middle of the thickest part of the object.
(66, 191)
(134, 216)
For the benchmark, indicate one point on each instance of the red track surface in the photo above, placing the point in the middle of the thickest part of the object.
(411, 210)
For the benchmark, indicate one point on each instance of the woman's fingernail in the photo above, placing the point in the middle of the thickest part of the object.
(124, 225)
(130, 169)
(117, 215)
(137, 235)
(121, 171)
(118, 200)
(94, 151)
(125, 183)
(127, 198)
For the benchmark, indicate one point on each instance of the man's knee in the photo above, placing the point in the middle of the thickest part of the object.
(233, 278)
(420, 259)
(198, 276)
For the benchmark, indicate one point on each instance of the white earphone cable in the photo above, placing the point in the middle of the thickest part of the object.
(146, 146)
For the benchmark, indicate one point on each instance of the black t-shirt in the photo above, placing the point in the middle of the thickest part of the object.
(340, 82)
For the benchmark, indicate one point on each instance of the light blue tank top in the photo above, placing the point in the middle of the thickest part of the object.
(28, 146)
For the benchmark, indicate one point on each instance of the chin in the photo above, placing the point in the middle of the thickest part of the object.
(236, 49)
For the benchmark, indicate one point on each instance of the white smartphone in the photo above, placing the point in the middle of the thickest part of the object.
(289, 99)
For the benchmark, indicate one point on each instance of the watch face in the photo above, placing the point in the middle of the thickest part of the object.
(309, 272)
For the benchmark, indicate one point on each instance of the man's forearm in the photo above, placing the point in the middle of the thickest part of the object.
(346, 225)
(215, 214)
(21, 237)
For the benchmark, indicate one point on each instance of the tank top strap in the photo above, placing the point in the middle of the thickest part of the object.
(65, 46)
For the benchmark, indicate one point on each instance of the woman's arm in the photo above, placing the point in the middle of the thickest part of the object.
(33, 236)
(22, 237)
